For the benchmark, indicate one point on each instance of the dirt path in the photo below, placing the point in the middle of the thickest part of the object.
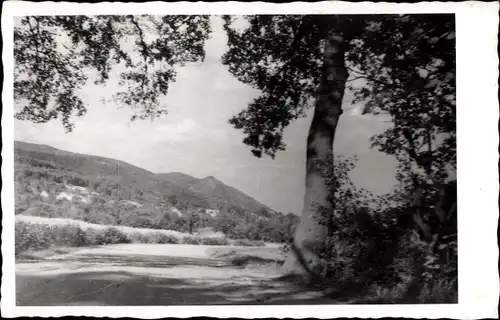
(152, 274)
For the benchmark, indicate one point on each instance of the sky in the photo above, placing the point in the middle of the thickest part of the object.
(195, 137)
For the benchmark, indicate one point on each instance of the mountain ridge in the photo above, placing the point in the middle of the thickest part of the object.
(208, 192)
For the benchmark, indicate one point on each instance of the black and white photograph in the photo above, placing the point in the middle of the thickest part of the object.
(259, 159)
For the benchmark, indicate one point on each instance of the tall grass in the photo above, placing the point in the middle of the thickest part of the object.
(210, 241)
(86, 225)
(36, 236)
(39, 235)
(152, 237)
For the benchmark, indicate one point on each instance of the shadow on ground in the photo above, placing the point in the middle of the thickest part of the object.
(97, 278)
(135, 280)
(129, 289)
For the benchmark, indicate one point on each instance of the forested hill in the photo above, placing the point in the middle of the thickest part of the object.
(215, 191)
(88, 171)
(54, 183)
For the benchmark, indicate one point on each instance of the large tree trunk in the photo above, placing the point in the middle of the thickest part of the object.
(312, 230)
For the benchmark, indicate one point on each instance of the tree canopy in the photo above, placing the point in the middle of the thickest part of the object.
(54, 54)
(408, 65)
(406, 62)
(278, 54)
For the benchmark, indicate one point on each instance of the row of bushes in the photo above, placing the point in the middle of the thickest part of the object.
(38, 236)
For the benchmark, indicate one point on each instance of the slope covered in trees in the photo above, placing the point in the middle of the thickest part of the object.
(215, 191)
(56, 183)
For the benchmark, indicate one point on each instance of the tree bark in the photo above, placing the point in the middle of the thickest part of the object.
(311, 233)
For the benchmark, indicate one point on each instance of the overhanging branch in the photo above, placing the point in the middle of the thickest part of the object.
(144, 52)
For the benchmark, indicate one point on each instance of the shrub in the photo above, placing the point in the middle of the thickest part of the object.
(191, 240)
(153, 237)
(435, 268)
(442, 291)
(39, 236)
(67, 235)
(94, 236)
(34, 236)
(161, 238)
(114, 236)
(31, 237)
(138, 237)
(164, 238)
(212, 241)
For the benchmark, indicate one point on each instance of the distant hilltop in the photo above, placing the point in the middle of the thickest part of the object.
(208, 193)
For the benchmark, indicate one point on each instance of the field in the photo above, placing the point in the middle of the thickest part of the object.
(154, 274)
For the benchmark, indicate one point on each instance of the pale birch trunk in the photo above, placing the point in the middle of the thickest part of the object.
(311, 233)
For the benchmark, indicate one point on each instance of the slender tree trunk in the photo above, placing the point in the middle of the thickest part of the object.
(311, 233)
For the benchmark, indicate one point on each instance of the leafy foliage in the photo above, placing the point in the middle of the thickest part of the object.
(37, 236)
(113, 235)
(53, 56)
(408, 67)
(211, 241)
(279, 55)
(154, 237)
(374, 247)
(411, 78)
